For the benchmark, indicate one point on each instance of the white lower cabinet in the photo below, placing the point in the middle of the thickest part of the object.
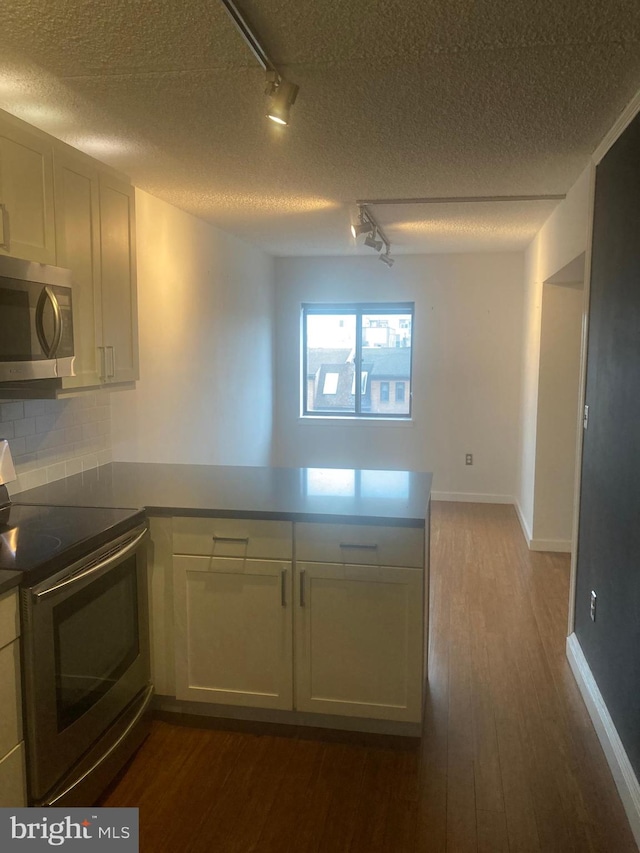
(12, 769)
(13, 792)
(329, 638)
(233, 631)
(359, 641)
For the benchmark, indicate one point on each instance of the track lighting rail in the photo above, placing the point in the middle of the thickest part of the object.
(459, 199)
(244, 28)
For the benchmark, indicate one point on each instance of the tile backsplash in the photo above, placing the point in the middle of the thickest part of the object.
(50, 439)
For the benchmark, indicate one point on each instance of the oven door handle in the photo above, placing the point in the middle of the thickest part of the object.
(99, 568)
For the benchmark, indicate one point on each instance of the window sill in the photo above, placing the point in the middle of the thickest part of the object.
(337, 420)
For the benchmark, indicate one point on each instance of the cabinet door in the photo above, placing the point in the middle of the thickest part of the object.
(13, 786)
(118, 277)
(161, 606)
(359, 640)
(233, 631)
(10, 697)
(26, 194)
(78, 242)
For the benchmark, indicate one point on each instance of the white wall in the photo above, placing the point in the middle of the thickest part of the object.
(558, 392)
(561, 240)
(466, 369)
(205, 307)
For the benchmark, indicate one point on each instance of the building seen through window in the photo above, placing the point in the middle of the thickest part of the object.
(357, 360)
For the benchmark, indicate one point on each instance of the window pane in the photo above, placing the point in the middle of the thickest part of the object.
(330, 383)
(386, 356)
(331, 346)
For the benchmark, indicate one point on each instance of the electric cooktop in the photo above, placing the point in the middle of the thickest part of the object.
(41, 540)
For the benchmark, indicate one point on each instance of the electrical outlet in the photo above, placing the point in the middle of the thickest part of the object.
(592, 606)
(468, 459)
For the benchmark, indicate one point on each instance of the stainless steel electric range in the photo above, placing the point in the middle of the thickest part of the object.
(85, 643)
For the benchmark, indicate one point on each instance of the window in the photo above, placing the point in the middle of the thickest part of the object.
(352, 356)
(330, 383)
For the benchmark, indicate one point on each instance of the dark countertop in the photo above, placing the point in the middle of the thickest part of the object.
(342, 495)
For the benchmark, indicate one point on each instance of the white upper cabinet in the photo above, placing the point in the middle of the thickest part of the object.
(27, 227)
(59, 206)
(119, 351)
(95, 219)
(77, 202)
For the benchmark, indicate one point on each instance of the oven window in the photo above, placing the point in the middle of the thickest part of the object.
(96, 640)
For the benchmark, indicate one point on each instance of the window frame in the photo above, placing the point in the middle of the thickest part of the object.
(358, 309)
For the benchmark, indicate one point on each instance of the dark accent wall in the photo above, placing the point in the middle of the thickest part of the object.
(609, 534)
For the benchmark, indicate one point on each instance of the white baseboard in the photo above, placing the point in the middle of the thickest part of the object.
(471, 497)
(523, 523)
(623, 774)
(562, 546)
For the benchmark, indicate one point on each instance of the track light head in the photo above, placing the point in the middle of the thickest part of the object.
(364, 225)
(387, 259)
(361, 228)
(282, 96)
(373, 243)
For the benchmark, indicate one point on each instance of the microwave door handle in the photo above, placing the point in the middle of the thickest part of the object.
(49, 349)
(99, 569)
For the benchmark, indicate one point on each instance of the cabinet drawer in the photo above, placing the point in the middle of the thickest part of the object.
(10, 699)
(233, 537)
(9, 621)
(13, 792)
(361, 544)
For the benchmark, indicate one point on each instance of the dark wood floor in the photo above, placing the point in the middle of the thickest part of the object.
(509, 760)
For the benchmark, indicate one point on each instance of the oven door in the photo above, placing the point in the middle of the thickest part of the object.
(86, 654)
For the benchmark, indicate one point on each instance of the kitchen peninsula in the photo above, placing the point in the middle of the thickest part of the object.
(297, 595)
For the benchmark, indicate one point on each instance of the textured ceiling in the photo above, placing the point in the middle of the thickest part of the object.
(397, 99)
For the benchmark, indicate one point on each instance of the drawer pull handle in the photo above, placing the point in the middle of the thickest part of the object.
(6, 244)
(244, 539)
(103, 365)
(283, 587)
(112, 361)
(364, 547)
(302, 573)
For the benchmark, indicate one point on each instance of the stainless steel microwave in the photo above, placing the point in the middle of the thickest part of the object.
(36, 321)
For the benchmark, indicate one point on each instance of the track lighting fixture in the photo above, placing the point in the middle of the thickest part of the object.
(373, 242)
(282, 96)
(281, 93)
(376, 238)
